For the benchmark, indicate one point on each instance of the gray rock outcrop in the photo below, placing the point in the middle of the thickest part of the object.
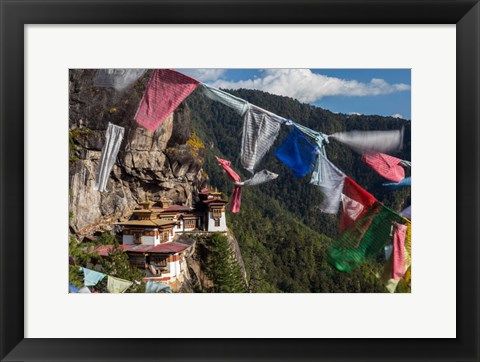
(152, 165)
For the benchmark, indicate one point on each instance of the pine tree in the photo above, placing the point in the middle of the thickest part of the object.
(106, 239)
(79, 256)
(223, 268)
(118, 265)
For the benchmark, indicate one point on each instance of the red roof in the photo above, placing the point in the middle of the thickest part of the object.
(165, 248)
(103, 250)
(205, 191)
(213, 201)
(177, 208)
(169, 248)
(137, 248)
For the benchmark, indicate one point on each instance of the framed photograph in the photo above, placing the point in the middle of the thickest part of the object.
(232, 181)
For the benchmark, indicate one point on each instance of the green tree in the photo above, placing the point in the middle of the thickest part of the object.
(223, 267)
(79, 256)
(118, 265)
(106, 239)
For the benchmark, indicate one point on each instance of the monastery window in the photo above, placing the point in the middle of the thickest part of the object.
(217, 222)
(137, 238)
(217, 213)
(137, 260)
(160, 261)
(189, 223)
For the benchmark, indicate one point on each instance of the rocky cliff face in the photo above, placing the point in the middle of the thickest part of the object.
(165, 163)
(196, 278)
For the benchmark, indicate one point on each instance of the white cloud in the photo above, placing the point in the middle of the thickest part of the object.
(397, 115)
(310, 87)
(355, 114)
(204, 75)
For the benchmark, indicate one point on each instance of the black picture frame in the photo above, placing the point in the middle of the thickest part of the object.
(16, 14)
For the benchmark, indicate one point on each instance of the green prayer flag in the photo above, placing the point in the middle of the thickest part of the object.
(364, 240)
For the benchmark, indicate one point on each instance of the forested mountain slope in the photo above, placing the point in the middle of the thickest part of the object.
(282, 233)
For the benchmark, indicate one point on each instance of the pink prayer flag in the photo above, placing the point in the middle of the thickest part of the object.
(385, 165)
(399, 233)
(236, 199)
(165, 91)
(237, 190)
(226, 166)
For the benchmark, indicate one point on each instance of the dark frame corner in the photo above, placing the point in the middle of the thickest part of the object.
(15, 14)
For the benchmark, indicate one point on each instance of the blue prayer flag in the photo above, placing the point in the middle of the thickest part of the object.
(298, 153)
(406, 182)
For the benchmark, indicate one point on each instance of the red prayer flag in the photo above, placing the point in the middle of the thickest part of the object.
(226, 166)
(165, 91)
(356, 202)
(385, 165)
(236, 199)
(399, 233)
(237, 190)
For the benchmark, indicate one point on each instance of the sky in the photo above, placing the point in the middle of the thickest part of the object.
(385, 92)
